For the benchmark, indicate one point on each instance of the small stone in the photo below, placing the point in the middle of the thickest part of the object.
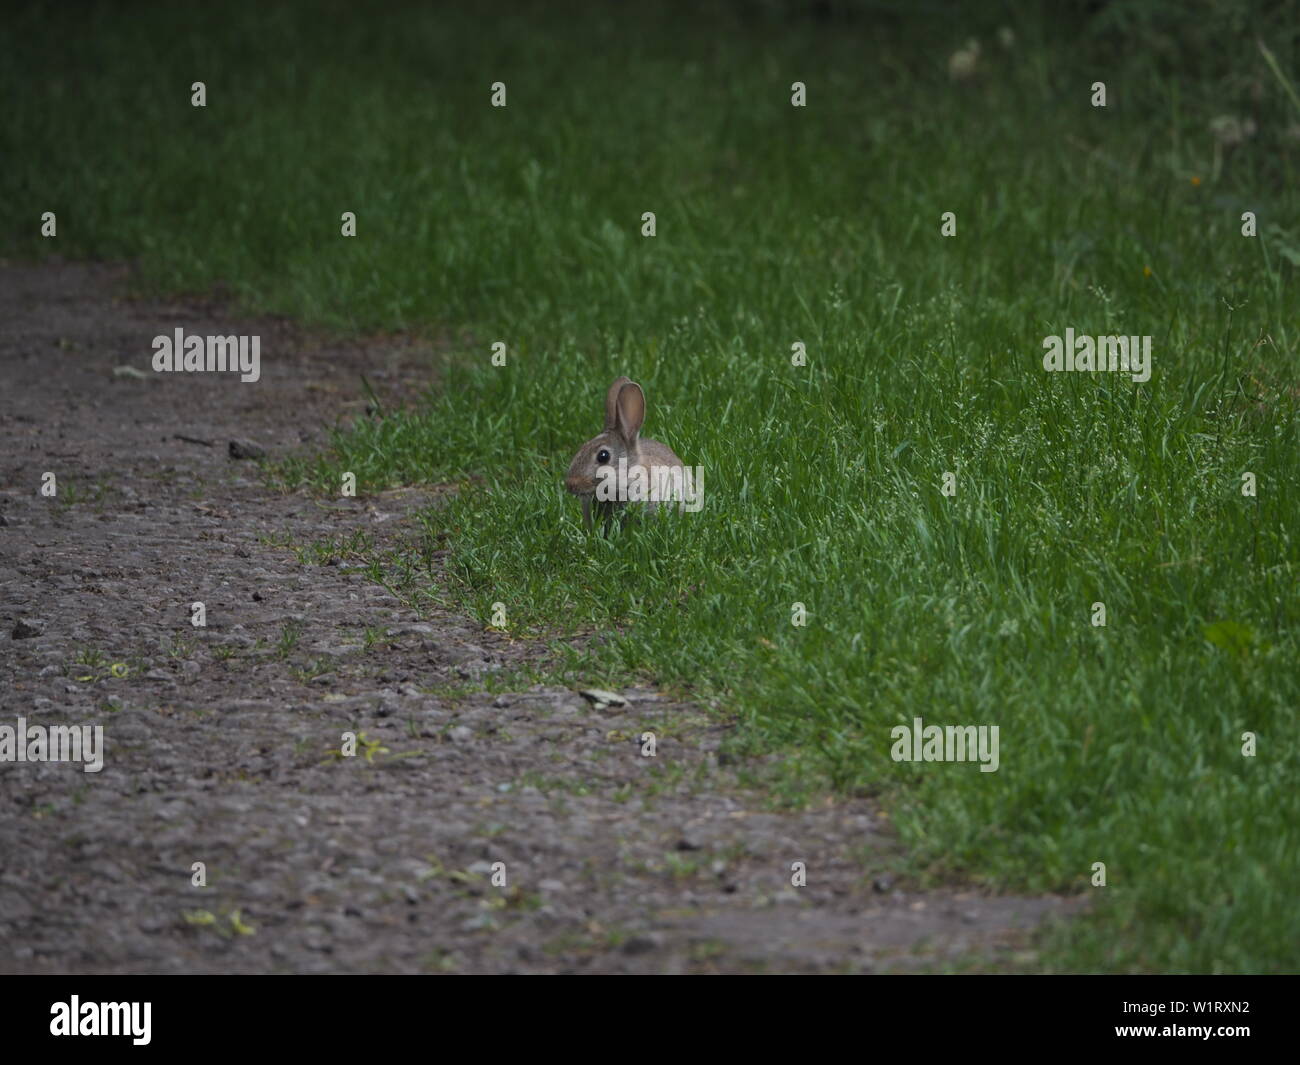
(602, 699)
(643, 943)
(26, 628)
(461, 734)
(483, 922)
(246, 449)
(882, 884)
(418, 629)
(552, 885)
(131, 371)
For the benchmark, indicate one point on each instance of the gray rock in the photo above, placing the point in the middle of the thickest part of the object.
(131, 371)
(26, 628)
(643, 943)
(410, 630)
(602, 699)
(482, 922)
(246, 449)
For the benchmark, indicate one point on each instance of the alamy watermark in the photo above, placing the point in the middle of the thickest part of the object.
(194, 354)
(1083, 354)
(651, 484)
(102, 1018)
(57, 743)
(950, 743)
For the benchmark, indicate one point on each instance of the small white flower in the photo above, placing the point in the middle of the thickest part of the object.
(962, 63)
(1231, 131)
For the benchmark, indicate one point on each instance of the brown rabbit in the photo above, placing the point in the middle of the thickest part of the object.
(604, 473)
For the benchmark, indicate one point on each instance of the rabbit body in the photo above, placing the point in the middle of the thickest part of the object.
(619, 466)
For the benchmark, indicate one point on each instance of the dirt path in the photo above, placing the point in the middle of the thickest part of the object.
(217, 738)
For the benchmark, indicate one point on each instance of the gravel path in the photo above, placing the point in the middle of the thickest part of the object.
(218, 740)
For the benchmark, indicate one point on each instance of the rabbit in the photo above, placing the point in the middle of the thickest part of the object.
(621, 440)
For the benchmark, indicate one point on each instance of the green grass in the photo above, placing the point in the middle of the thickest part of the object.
(1119, 744)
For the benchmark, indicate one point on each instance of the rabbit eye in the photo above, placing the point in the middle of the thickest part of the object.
(602, 456)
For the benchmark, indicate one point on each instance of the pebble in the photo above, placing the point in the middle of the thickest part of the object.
(246, 449)
(601, 699)
(643, 943)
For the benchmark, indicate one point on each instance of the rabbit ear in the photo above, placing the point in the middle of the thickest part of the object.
(629, 411)
(611, 403)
